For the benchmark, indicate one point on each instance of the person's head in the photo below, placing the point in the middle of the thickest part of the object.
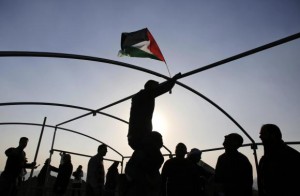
(115, 164)
(151, 84)
(270, 134)
(23, 142)
(232, 142)
(66, 158)
(102, 149)
(79, 167)
(180, 150)
(47, 161)
(156, 139)
(194, 155)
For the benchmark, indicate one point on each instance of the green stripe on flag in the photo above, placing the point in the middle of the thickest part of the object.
(135, 52)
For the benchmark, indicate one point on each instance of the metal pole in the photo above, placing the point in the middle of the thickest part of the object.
(169, 151)
(244, 54)
(95, 111)
(122, 165)
(51, 152)
(38, 146)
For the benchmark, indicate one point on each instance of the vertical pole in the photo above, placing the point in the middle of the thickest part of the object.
(54, 135)
(38, 146)
(168, 69)
(254, 148)
(48, 168)
(122, 165)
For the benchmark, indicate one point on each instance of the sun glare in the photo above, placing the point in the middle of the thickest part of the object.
(159, 123)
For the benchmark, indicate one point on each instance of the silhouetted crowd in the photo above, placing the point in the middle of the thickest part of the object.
(182, 175)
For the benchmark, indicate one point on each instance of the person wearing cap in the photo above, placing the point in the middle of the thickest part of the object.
(178, 175)
(203, 175)
(142, 107)
(233, 173)
(279, 167)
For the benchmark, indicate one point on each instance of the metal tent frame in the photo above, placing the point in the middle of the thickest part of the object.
(98, 111)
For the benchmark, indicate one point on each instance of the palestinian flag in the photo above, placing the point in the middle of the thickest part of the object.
(140, 44)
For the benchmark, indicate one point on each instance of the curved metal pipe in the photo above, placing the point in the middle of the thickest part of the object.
(64, 129)
(244, 54)
(98, 110)
(228, 116)
(89, 58)
(77, 57)
(62, 105)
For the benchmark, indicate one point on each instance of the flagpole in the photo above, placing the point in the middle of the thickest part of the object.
(168, 69)
(169, 73)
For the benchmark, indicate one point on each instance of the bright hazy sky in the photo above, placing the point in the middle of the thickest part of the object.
(258, 89)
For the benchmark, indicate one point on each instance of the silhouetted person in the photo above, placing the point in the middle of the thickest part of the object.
(44, 173)
(62, 154)
(141, 112)
(233, 172)
(279, 167)
(64, 173)
(76, 185)
(112, 178)
(178, 174)
(96, 173)
(202, 175)
(15, 165)
(142, 169)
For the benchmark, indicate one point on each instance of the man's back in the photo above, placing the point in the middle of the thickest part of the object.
(179, 177)
(279, 173)
(235, 172)
(95, 171)
(16, 159)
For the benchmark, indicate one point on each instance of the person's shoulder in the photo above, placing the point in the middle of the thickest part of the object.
(93, 158)
(9, 151)
(223, 156)
(261, 160)
(242, 155)
(169, 161)
(140, 93)
(197, 168)
(289, 151)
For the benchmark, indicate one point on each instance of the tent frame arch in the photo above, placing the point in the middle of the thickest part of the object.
(96, 59)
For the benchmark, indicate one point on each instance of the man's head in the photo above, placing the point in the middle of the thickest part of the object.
(47, 161)
(23, 142)
(194, 155)
(156, 139)
(151, 84)
(270, 134)
(233, 141)
(180, 150)
(102, 149)
(66, 158)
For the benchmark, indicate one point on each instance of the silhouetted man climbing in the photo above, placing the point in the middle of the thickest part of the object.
(142, 107)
